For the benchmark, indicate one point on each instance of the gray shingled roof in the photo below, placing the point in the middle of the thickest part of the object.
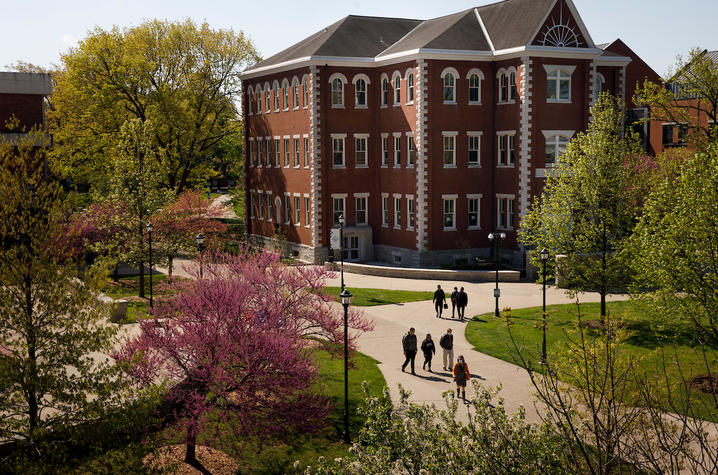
(712, 55)
(352, 36)
(513, 22)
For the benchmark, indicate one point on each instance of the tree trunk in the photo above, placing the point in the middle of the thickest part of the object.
(116, 273)
(31, 376)
(190, 455)
(170, 258)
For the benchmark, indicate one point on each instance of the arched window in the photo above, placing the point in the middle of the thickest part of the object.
(337, 92)
(285, 90)
(474, 89)
(449, 87)
(275, 90)
(305, 90)
(599, 84)
(258, 95)
(397, 88)
(410, 87)
(267, 98)
(384, 91)
(360, 90)
(555, 147)
(250, 101)
(512, 86)
(295, 92)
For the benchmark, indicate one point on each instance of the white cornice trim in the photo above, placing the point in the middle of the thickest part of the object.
(613, 61)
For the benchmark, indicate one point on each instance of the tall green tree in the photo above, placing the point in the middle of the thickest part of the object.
(51, 319)
(181, 76)
(674, 248)
(588, 205)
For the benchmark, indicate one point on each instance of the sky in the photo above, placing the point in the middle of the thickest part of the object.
(40, 32)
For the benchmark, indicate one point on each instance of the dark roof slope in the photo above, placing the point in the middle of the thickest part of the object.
(712, 55)
(512, 23)
(352, 36)
(460, 31)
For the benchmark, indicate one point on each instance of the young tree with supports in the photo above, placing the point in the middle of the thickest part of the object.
(589, 204)
(234, 347)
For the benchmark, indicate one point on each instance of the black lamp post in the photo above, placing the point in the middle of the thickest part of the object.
(341, 246)
(200, 248)
(149, 229)
(544, 258)
(497, 293)
(346, 297)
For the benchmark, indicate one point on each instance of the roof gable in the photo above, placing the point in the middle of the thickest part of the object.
(513, 23)
(563, 28)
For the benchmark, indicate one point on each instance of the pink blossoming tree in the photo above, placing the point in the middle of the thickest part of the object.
(234, 347)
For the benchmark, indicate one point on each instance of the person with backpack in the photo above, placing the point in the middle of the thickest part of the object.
(408, 343)
(461, 375)
(439, 301)
(454, 301)
(463, 301)
(429, 351)
(446, 342)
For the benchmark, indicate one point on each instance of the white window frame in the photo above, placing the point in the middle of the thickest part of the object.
(397, 149)
(510, 148)
(396, 88)
(367, 82)
(384, 90)
(410, 212)
(365, 199)
(250, 100)
(295, 143)
(270, 211)
(268, 152)
(553, 137)
(599, 85)
(338, 198)
(307, 211)
(307, 153)
(563, 73)
(361, 138)
(275, 95)
(454, 76)
(473, 135)
(469, 199)
(260, 202)
(334, 80)
(259, 152)
(285, 94)
(305, 91)
(446, 138)
(478, 73)
(385, 210)
(277, 151)
(410, 150)
(384, 150)
(397, 211)
(287, 151)
(409, 78)
(267, 99)
(295, 92)
(507, 87)
(297, 209)
(505, 217)
(251, 152)
(452, 200)
(258, 93)
(339, 139)
(287, 208)
(252, 203)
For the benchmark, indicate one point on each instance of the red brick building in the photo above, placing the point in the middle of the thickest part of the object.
(22, 96)
(425, 135)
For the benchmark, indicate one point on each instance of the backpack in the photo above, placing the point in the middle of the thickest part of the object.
(442, 341)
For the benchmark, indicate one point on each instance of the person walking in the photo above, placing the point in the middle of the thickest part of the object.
(454, 301)
(408, 343)
(439, 301)
(427, 346)
(446, 342)
(461, 375)
(463, 301)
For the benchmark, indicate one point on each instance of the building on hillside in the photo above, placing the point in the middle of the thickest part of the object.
(426, 135)
(22, 97)
(700, 112)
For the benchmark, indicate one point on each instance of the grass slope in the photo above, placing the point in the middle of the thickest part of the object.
(372, 297)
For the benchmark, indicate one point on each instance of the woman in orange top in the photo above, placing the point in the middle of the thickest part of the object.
(461, 375)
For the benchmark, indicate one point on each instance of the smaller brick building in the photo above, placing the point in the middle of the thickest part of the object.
(22, 96)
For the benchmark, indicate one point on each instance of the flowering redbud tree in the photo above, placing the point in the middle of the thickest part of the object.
(234, 347)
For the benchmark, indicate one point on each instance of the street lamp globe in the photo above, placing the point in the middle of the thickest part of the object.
(345, 297)
(502, 235)
(200, 240)
(149, 228)
(544, 254)
(491, 236)
(341, 220)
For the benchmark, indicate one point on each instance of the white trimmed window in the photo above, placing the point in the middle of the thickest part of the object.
(275, 90)
(410, 212)
(410, 88)
(505, 211)
(474, 149)
(360, 93)
(411, 150)
(250, 101)
(269, 206)
(260, 204)
(512, 86)
(474, 208)
(258, 95)
(305, 91)
(384, 91)
(449, 149)
(397, 150)
(385, 150)
(285, 90)
(295, 92)
(475, 76)
(361, 208)
(277, 152)
(360, 158)
(338, 150)
(506, 149)
(252, 203)
(449, 88)
(297, 210)
(337, 81)
(599, 84)
(397, 88)
(268, 152)
(287, 209)
(287, 153)
(397, 211)
(251, 152)
(296, 153)
(338, 202)
(558, 83)
(555, 146)
(449, 211)
(259, 152)
(307, 212)
(267, 99)
(306, 152)
(385, 209)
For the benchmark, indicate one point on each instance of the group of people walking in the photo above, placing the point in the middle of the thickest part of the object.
(460, 370)
(459, 301)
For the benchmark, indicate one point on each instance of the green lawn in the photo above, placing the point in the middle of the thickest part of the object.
(129, 287)
(490, 335)
(371, 297)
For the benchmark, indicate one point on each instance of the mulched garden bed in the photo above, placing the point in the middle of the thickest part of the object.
(704, 383)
